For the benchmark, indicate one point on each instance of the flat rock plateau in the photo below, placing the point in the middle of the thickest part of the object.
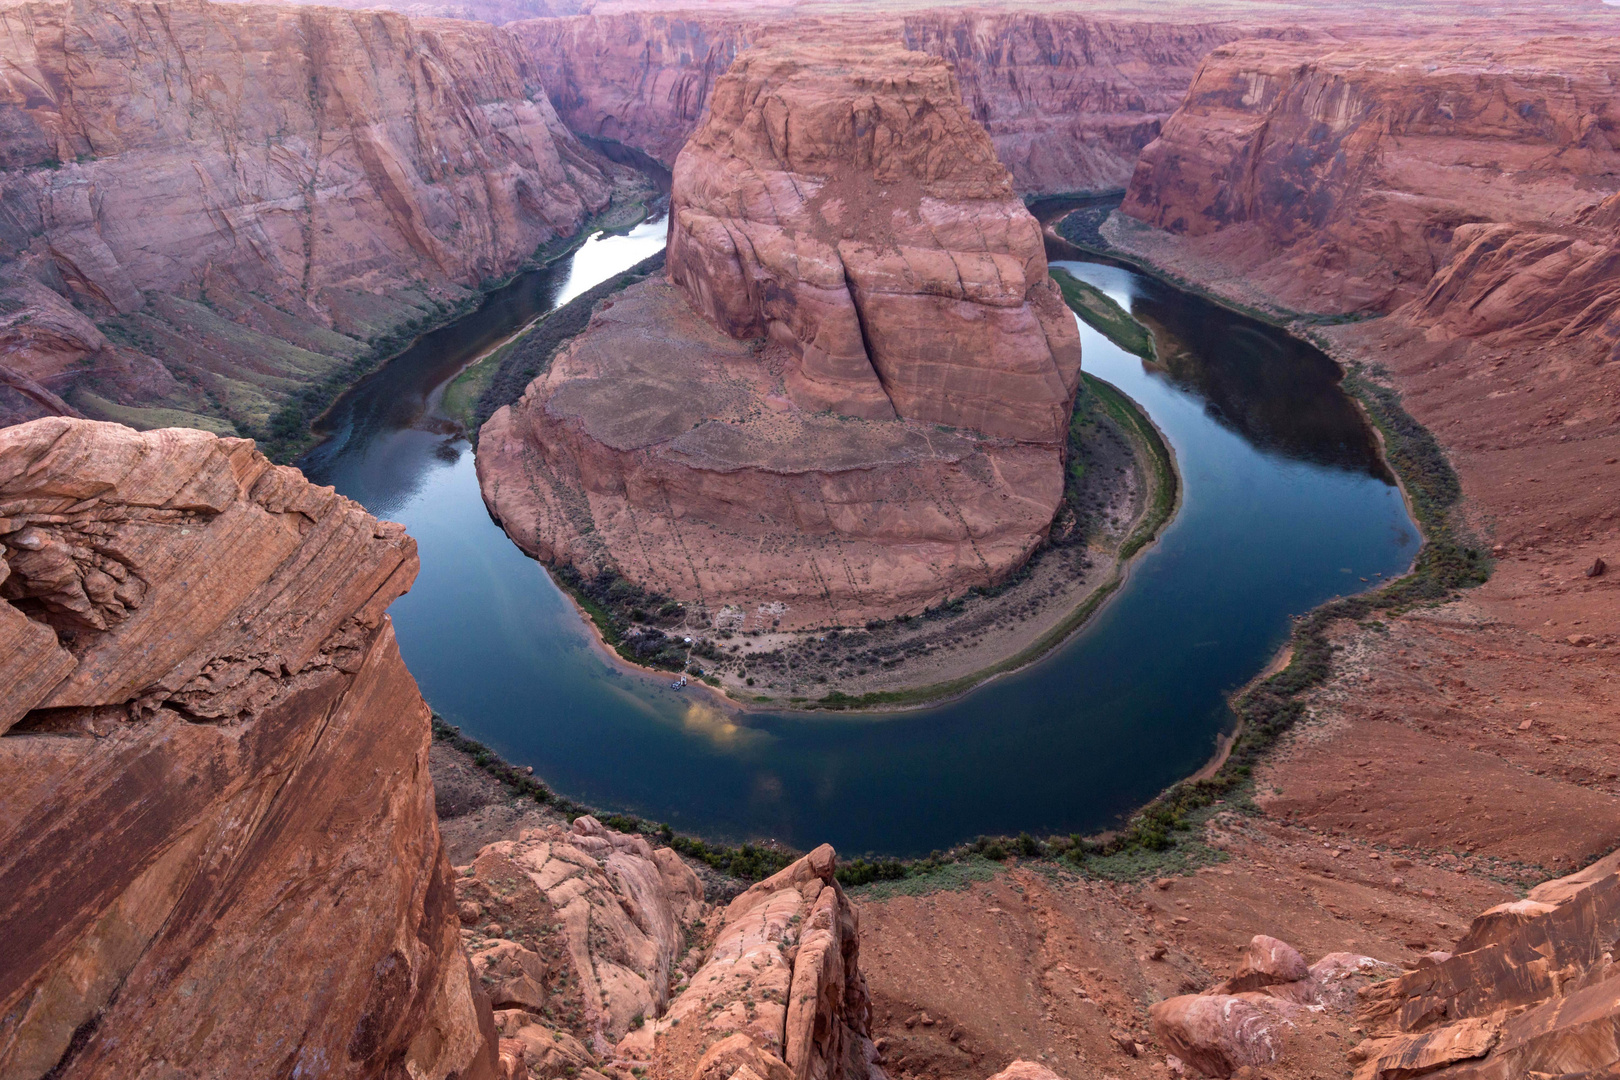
(850, 398)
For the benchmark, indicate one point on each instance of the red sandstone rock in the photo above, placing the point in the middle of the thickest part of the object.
(1266, 962)
(1026, 1070)
(658, 446)
(842, 202)
(1218, 1034)
(906, 281)
(1545, 965)
(621, 909)
(1068, 100)
(318, 176)
(1338, 179)
(217, 841)
(781, 983)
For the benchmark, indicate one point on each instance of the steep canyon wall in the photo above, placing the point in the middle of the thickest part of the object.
(1068, 99)
(220, 855)
(247, 198)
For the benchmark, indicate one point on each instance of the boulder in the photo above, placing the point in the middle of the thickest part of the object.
(216, 818)
(1219, 1033)
(1026, 1070)
(612, 912)
(1267, 961)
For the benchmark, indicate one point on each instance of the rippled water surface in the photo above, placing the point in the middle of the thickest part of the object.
(1285, 505)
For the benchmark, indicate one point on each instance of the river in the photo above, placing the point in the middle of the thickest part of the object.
(1285, 505)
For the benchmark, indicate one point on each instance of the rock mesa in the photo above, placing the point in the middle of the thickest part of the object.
(850, 398)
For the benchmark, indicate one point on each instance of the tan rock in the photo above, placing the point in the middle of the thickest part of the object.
(621, 912)
(511, 976)
(1026, 1070)
(1266, 962)
(216, 824)
(781, 984)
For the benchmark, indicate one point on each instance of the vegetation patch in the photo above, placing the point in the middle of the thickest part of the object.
(1104, 315)
(750, 862)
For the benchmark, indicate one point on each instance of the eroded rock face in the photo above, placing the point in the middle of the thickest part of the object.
(850, 399)
(780, 993)
(1340, 180)
(215, 791)
(841, 201)
(1068, 100)
(618, 909)
(1535, 993)
(292, 183)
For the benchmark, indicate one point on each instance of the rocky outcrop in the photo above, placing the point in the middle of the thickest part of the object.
(617, 910)
(1244, 1021)
(780, 994)
(238, 239)
(215, 789)
(1341, 179)
(1068, 100)
(860, 218)
(603, 959)
(851, 398)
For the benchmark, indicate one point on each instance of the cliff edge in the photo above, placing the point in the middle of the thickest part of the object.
(218, 847)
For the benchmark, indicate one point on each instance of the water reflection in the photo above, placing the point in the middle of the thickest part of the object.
(1281, 511)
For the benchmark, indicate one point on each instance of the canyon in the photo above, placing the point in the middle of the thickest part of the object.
(221, 789)
(1068, 99)
(849, 399)
(210, 210)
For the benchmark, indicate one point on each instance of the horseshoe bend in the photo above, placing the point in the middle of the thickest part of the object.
(1249, 688)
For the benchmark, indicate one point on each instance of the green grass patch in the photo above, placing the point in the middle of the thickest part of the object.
(1102, 314)
(944, 877)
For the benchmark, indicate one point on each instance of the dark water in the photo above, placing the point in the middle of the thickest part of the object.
(1285, 505)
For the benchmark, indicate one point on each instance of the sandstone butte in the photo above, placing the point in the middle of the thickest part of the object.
(850, 398)
(209, 206)
(219, 844)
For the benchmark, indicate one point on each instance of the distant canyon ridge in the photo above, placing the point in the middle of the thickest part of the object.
(215, 214)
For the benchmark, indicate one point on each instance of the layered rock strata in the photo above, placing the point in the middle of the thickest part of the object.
(1341, 180)
(215, 791)
(1470, 195)
(862, 220)
(1531, 989)
(248, 198)
(1069, 100)
(602, 956)
(851, 398)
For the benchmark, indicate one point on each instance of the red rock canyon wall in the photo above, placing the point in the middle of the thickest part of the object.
(219, 846)
(1068, 99)
(282, 184)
